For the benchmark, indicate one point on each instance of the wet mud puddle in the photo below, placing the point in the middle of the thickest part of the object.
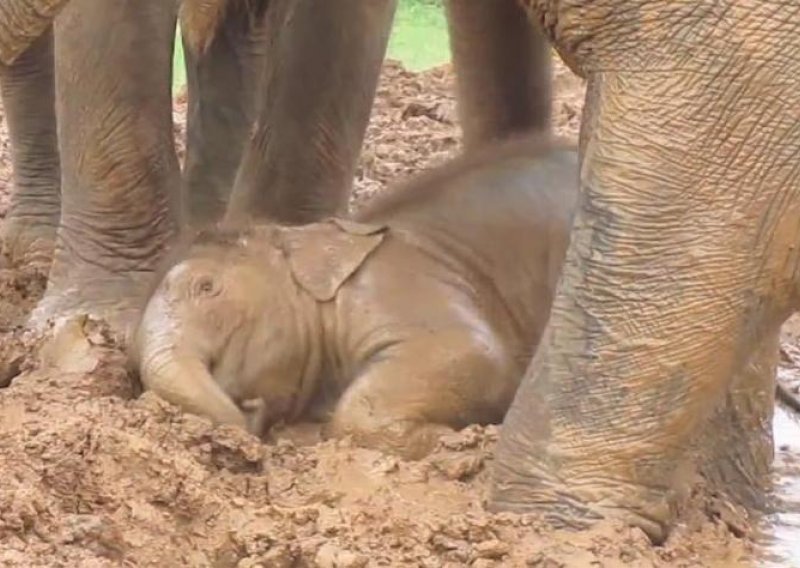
(779, 541)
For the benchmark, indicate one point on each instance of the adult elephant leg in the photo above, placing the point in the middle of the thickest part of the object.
(120, 174)
(682, 257)
(222, 83)
(503, 70)
(323, 69)
(27, 87)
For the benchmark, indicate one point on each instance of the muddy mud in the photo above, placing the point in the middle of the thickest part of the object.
(96, 474)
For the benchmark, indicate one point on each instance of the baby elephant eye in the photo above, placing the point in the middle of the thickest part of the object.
(204, 287)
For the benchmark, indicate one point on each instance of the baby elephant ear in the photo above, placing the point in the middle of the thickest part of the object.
(322, 256)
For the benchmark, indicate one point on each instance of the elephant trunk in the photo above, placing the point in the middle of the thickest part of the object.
(22, 22)
(178, 373)
(185, 381)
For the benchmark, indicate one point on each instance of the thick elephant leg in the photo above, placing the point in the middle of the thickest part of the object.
(222, 84)
(120, 173)
(682, 261)
(28, 91)
(503, 70)
(325, 59)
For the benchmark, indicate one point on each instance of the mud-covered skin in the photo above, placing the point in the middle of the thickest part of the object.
(681, 264)
(417, 317)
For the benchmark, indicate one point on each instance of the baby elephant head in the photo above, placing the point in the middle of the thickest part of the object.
(237, 317)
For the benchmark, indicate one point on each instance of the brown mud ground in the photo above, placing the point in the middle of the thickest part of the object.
(95, 475)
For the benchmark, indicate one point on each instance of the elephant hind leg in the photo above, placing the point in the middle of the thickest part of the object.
(28, 93)
(503, 70)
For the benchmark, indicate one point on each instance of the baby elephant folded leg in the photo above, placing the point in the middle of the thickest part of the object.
(424, 388)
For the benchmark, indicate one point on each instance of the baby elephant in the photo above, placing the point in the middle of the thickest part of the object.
(417, 316)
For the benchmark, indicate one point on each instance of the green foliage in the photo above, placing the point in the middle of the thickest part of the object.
(178, 68)
(419, 38)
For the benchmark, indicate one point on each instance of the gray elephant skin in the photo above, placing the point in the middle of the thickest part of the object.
(418, 315)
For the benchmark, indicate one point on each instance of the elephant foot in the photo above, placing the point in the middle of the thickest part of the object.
(116, 299)
(581, 504)
(28, 244)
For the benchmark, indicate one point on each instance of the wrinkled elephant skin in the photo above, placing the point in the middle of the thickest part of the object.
(682, 261)
(418, 316)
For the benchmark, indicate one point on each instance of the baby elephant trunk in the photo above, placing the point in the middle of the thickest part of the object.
(178, 375)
